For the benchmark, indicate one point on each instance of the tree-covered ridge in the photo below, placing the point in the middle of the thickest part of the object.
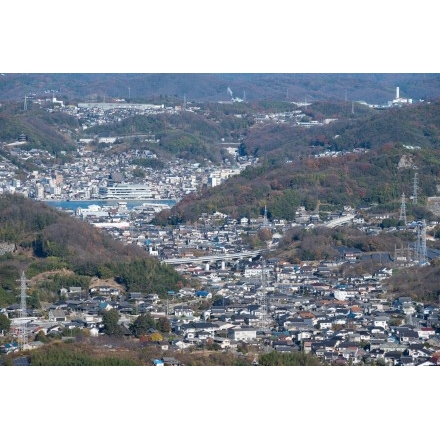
(44, 130)
(416, 125)
(19, 216)
(420, 283)
(196, 135)
(372, 87)
(378, 176)
(48, 240)
(52, 233)
(185, 135)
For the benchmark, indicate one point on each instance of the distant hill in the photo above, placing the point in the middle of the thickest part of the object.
(376, 88)
(381, 153)
(43, 130)
(417, 125)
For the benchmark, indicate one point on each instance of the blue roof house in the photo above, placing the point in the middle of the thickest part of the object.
(203, 294)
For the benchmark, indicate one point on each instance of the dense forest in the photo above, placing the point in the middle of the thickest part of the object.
(48, 131)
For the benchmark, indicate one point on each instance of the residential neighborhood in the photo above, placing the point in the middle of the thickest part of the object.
(95, 175)
(244, 300)
(257, 304)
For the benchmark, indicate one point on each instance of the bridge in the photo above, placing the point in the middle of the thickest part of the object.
(339, 221)
(215, 257)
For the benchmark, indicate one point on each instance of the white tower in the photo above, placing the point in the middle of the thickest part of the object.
(397, 92)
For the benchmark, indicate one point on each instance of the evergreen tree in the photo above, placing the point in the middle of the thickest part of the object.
(142, 324)
(5, 323)
(110, 320)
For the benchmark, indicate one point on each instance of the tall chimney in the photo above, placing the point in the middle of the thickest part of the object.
(397, 92)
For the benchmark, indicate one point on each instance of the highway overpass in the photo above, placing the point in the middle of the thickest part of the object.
(339, 221)
(212, 258)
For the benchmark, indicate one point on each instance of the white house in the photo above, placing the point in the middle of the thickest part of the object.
(342, 295)
(57, 315)
(183, 311)
(242, 333)
(426, 332)
(380, 321)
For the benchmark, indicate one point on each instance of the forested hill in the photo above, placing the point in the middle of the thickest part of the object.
(376, 161)
(417, 125)
(42, 239)
(375, 88)
(196, 135)
(43, 129)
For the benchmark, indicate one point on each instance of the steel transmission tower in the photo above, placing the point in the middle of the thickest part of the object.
(23, 339)
(420, 246)
(415, 187)
(403, 209)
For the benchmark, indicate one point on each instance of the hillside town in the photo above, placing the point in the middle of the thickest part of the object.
(109, 174)
(247, 301)
(343, 321)
(101, 176)
(244, 300)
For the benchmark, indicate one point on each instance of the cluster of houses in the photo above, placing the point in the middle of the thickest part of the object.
(364, 328)
(342, 321)
(93, 172)
(272, 305)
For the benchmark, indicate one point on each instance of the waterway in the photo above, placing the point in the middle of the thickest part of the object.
(72, 205)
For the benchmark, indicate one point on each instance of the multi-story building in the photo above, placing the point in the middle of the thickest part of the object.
(126, 191)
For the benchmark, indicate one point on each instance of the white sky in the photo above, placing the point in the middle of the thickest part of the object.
(228, 36)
